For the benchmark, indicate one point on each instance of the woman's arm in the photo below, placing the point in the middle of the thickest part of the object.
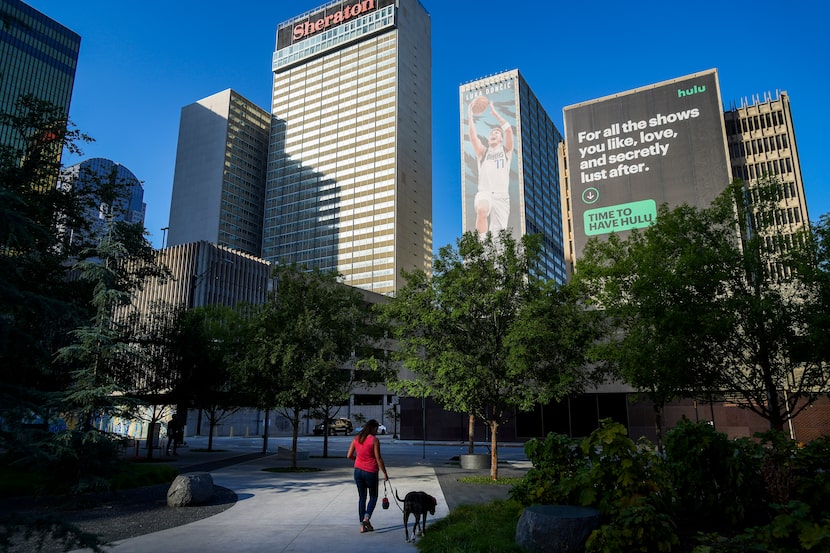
(379, 459)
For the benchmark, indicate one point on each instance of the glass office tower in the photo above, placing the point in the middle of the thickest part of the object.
(38, 56)
(509, 167)
(98, 171)
(349, 185)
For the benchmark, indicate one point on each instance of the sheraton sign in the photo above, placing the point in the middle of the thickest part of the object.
(325, 20)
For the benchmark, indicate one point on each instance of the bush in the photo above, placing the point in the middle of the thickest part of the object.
(610, 473)
(714, 480)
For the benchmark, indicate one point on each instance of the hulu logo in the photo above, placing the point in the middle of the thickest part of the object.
(689, 91)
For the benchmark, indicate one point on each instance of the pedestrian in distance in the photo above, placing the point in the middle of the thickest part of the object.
(368, 463)
(175, 433)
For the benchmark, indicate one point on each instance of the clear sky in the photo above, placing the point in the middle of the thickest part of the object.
(141, 62)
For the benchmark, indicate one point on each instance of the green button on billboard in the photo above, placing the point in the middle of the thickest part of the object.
(617, 218)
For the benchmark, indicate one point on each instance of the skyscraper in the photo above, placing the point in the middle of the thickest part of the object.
(349, 185)
(219, 179)
(509, 169)
(38, 56)
(97, 171)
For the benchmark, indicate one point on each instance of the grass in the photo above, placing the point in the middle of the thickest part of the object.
(487, 480)
(481, 528)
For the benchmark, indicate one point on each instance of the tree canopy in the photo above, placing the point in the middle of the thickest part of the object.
(484, 335)
(703, 307)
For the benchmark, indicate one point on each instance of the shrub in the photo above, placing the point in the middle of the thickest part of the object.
(714, 479)
(612, 474)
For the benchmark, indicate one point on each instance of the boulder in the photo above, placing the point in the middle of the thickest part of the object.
(556, 528)
(195, 488)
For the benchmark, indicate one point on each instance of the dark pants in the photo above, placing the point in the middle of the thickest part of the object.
(366, 482)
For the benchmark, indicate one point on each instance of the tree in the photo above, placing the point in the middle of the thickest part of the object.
(305, 333)
(483, 335)
(39, 305)
(705, 303)
(655, 288)
(207, 344)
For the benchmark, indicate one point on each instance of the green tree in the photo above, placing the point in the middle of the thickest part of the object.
(308, 330)
(39, 305)
(483, 335)
(705, 302)
(655, 288)
(117, 264)
(208, 342)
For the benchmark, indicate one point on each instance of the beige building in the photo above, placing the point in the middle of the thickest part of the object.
(761, 140)
(349, 185)
(219, 179)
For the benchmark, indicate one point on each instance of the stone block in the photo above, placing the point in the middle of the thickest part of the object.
(195, 488)
(556, 528)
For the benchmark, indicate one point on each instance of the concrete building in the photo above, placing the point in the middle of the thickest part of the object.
(761, 141)
(38, 56)
(219, 178)
(349, 185)
(529, 199)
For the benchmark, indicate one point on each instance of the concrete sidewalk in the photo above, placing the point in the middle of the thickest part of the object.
(300, 511)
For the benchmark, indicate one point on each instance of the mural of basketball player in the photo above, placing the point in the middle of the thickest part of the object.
(492, 200)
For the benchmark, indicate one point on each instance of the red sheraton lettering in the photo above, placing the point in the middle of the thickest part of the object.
(309, 27)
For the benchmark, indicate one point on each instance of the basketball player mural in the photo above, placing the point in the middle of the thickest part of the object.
(492, 199)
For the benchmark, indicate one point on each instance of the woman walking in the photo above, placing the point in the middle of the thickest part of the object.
(365, 450)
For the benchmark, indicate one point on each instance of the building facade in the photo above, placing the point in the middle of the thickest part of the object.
(38, 56)
(219, 179)
(628, 153)
(349, 185)
(509, 168)
(761, 140)
(97, 172)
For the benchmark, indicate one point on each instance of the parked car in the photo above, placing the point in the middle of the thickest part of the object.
(341, 425)
(381, 429)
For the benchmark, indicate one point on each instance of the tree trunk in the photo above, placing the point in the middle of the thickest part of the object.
(658, 426)
(295, 421)
(471, 434)
(265, 432)
(494, 450)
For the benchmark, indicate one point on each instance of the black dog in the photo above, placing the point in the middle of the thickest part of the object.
(416, 503)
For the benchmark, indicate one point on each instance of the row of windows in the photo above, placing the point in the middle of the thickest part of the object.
(754, 171)
(363, 56)
(777, 217)
(759, 146)
(761, 121)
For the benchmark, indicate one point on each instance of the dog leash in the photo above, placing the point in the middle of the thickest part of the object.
(385, 503)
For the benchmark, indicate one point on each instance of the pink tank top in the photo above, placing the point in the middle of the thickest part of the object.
(365, 454)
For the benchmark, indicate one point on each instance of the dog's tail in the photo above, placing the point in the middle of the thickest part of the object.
(398, 498)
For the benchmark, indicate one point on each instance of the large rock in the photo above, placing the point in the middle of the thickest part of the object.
(195, 488)
(556, 528)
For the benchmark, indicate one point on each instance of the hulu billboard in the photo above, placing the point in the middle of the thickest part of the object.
(631, 152)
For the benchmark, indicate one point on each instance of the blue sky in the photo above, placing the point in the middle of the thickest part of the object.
(141, 62)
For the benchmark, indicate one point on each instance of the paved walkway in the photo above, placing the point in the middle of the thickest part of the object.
(313, 511)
